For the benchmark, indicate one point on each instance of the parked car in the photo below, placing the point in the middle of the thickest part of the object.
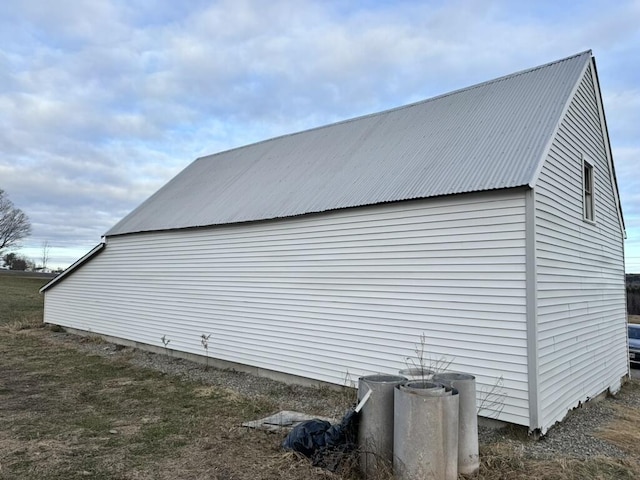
(634, 344)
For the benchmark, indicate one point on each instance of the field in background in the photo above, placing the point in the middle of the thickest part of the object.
(19, 296)
(65, 414)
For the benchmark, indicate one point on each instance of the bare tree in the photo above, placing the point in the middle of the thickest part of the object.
(14, 224)
(45, 254)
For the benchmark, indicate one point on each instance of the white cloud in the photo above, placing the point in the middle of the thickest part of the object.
(104, 101)
(622, 108)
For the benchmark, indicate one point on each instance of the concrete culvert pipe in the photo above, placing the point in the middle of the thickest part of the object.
(427, 389)
(425, 439)
(468, 455)
(375, 430)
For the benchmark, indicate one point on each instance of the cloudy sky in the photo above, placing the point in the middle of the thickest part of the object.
(103, 101)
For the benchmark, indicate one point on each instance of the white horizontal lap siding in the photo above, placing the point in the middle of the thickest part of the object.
(580, 268)
(328, 296)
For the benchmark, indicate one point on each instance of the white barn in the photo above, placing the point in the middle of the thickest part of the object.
(487, 219)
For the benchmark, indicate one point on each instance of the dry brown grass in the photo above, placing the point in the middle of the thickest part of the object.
(624, 430)
(26, 321)
(65, 414)
(508, 462)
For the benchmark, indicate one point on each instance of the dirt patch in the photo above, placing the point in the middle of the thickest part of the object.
(217, 392)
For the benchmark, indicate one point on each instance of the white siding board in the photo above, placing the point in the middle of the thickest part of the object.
(555, 351)
(319, 296)
(580, 269)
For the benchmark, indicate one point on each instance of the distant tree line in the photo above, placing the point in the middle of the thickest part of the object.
(633, 294)
(13, 261)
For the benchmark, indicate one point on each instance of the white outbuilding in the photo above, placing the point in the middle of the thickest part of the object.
(485, 222)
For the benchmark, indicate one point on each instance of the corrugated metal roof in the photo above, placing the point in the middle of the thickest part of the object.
(488, 136)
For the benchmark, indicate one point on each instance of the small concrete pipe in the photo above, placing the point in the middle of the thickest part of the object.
(375, 430)
(425, 439)
(425, 388)
(468, 455)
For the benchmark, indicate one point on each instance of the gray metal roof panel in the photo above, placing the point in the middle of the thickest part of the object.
(488, 136)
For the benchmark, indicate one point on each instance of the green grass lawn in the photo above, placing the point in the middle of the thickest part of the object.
(66, 415)
(19, 297)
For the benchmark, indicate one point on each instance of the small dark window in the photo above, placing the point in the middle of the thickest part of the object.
(587, 178)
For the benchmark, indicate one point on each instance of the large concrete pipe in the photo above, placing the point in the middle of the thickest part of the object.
(425, 439)
(468, 456)
(375, 430)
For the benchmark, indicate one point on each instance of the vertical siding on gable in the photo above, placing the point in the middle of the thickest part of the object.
(581, 292)
(326, 296)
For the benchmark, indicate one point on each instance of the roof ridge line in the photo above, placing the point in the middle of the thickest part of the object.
(401, 107)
